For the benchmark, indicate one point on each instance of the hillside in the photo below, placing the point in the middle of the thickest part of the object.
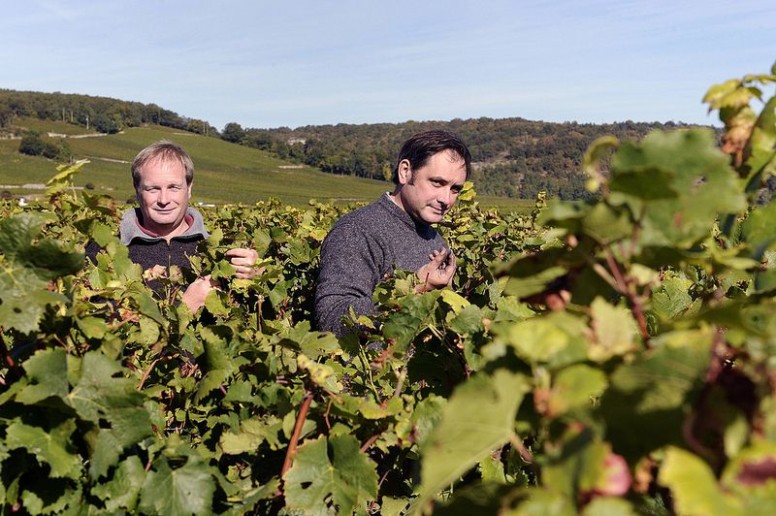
(514, 157)
(225, 172)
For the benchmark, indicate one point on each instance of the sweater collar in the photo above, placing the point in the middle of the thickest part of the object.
(131, 228)
(397, 212)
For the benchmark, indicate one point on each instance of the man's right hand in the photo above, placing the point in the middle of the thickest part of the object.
(438, 272)
(195, 294)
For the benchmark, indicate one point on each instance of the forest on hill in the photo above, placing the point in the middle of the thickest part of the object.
(514, 157)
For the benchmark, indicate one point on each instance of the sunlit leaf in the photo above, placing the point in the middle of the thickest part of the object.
(330, 476)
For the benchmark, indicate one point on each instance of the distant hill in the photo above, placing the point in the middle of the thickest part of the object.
(225, 172)
(514, 157)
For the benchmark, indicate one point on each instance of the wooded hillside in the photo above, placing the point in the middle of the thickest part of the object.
(514, 157)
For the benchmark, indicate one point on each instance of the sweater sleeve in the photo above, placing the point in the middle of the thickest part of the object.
(352, 264)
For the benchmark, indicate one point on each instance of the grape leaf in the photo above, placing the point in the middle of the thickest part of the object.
(185, 490)
(47, 374)
(51, 446)
(123, 490)
(693, 486)
(318, 484)
(479, 417)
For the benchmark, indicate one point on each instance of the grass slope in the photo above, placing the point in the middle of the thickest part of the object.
(225, 172)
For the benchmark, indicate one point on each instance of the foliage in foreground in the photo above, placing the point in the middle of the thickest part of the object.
(611, 356)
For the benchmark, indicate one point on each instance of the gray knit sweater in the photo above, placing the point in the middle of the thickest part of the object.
(150, 250)
(362, 248)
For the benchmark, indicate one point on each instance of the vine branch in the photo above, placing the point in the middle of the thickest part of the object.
(300, 419)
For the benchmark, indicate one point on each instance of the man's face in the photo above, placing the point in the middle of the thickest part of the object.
(427, 193)
(164, 196)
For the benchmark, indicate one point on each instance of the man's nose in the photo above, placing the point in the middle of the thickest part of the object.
(445, 197)
(163, 196)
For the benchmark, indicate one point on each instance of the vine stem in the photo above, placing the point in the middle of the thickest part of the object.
(300, 419)
(369, 442)
(14, 370)
(623, 285)
(146, 373)
(526, 455)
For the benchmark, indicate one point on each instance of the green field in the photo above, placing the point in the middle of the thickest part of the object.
(225, 172)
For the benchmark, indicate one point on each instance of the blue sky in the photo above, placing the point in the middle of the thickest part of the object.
(293, 63)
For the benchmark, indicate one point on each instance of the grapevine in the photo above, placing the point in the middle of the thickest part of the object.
(608, 355)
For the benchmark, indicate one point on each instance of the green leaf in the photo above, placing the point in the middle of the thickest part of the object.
(149, 332)
(101, 395)
(123, 490)
(690, 164)
(479, 418)
(607, 224)
(322, 375)
(106, 453)
(693, 486)
(758, 229)
(251, 434)
(316, 484)
(648, 183)
(454, 300)
(22, 310)
(522, 284)
(556, 339)
(51, 446)
(47, 373)
(576, 387)
(762, 145)
(468, 321)
(655, 391)
(19, 242)
(615, 331)
(101, 391)
(65, 173)
(216, 303)
(593, 156)
(185, 490)
(749, 476)
(609, 506)
(92, 327)
(404, 325)
(672, 298)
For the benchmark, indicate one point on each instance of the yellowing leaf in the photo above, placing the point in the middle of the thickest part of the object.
(693, 485)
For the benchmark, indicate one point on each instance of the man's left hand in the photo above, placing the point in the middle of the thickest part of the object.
(244, 262)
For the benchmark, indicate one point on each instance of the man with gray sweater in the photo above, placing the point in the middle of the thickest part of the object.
(394, 232)
(164, 231)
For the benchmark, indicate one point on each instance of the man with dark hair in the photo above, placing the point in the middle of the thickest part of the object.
(395, 231)
(164, 230)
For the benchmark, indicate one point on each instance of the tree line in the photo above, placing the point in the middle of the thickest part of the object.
(102, 114)
(514, 157)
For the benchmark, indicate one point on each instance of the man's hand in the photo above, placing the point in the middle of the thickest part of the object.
(438, 272)
(244, 262)
(195, 294)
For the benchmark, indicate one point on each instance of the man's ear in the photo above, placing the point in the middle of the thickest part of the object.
(404, 172)
(189, 188)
